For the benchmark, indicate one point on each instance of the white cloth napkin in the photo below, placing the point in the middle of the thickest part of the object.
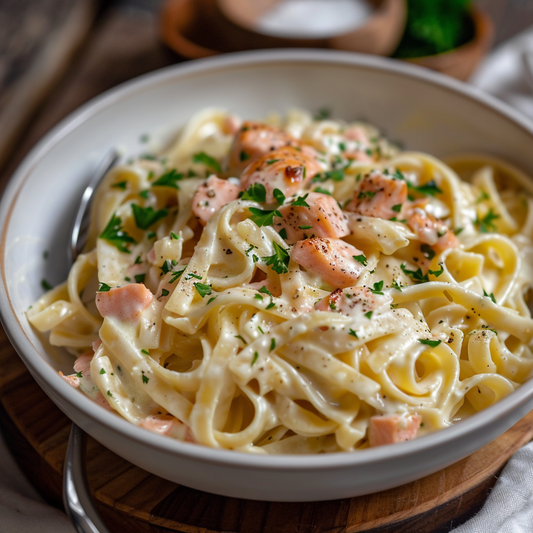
(509, 508)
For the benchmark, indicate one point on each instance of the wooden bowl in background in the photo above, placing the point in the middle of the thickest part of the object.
(202, 28)
(461, 62)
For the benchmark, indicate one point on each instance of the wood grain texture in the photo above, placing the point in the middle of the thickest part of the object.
(131, 499)
(37, 41)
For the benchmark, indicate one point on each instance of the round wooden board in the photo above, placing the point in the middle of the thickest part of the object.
(133, 500)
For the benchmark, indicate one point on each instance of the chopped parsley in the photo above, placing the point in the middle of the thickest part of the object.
(138, 260)
(272, 161)
(486, 224)
(279, 196)
(45, 285)
(120, 185)
(366, 195)
(173, 236)
(353, 333)
(145, 379)
(369, 314)
(114, 235)
(283, 233)
(202, 289)
(437, 273)
(272, 344)
(458, 230)
(322, 191)
(377, 288)
(305, 227)
(240, 338)
(104, 287)
(482, 196)
(361, 258)
(168, 179)
(332, 305)
(279, 260)
(151, 235)
(102, 371)
(145, 352)
(491, 295)
(164, 292)
(254, 359)
(428, 252)
(430, 188)
(397, 208)
(335, 175)
(243, 156)
(300, 201)
(263, 218)
(322, 114)
(79, 375)
(212, 299)
(176, 275)
(147, 216)
(416, 275)
(109, 393)
(207, 160)
(144, 194)
(396, 285)
(430, 343)
(256, 193)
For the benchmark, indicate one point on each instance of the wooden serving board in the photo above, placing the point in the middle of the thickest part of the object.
(133, 500)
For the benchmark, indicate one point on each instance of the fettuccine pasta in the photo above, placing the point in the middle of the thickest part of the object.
(299, 285)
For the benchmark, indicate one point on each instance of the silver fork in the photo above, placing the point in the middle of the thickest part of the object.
(77, 498)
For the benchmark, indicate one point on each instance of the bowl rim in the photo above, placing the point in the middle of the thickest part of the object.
(44, 372)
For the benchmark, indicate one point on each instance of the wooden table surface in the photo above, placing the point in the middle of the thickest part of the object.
(57, 54)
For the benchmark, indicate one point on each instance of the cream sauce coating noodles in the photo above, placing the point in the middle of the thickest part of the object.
(299, 285)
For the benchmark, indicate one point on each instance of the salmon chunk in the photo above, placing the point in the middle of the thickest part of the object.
(124, 303)
(323, 218)
(389, 429)
(167, 425)
(380, 196)
(353, 301)
(254, 140)
(287, 169)
(331, 259)
(211, 197)
(432, 231)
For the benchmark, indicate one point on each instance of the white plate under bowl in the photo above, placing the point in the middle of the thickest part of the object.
(421, 109)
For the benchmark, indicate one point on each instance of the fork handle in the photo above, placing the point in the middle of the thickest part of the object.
(77, 498)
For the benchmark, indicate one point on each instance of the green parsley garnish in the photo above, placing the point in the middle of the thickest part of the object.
(168, 179)
(120, 185)
(486, 224)
(173, 236)
(256, 355)
(139, 278)
(415, 274)
(369, 314)
(482, 196)
(321, 191)
(102, 371)
(272, 344)
(366, 195)
(145, 352)
(305, 227)
(256, 193)
(212, 299)
(430, 188)
(396, 285)
(491, 295)
(138, 260)
(146, 216)
(279, 260)
(109, 393)
(279, 196)
(240, 338)
(332, 305)
(322, 114)
(283, 233)
(114, 235)
(79, 375)
(335, 175)
(272, 161)
(145, 379)
(176, 275)
(45, 285)
(164, 292)
(300, 201)
(263, 218)
(377, 288)
(457, 230)
(202, 289)
(353, 333)
(104, 287)
(144, 194)
(433, 344)
(243, 156)
(361, 258)
(150, 235)
(207, 160)
(397, 208)
(437, 273)
(427, 251)
(258, 297)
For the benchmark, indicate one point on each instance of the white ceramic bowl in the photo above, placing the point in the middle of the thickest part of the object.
(423, 110)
